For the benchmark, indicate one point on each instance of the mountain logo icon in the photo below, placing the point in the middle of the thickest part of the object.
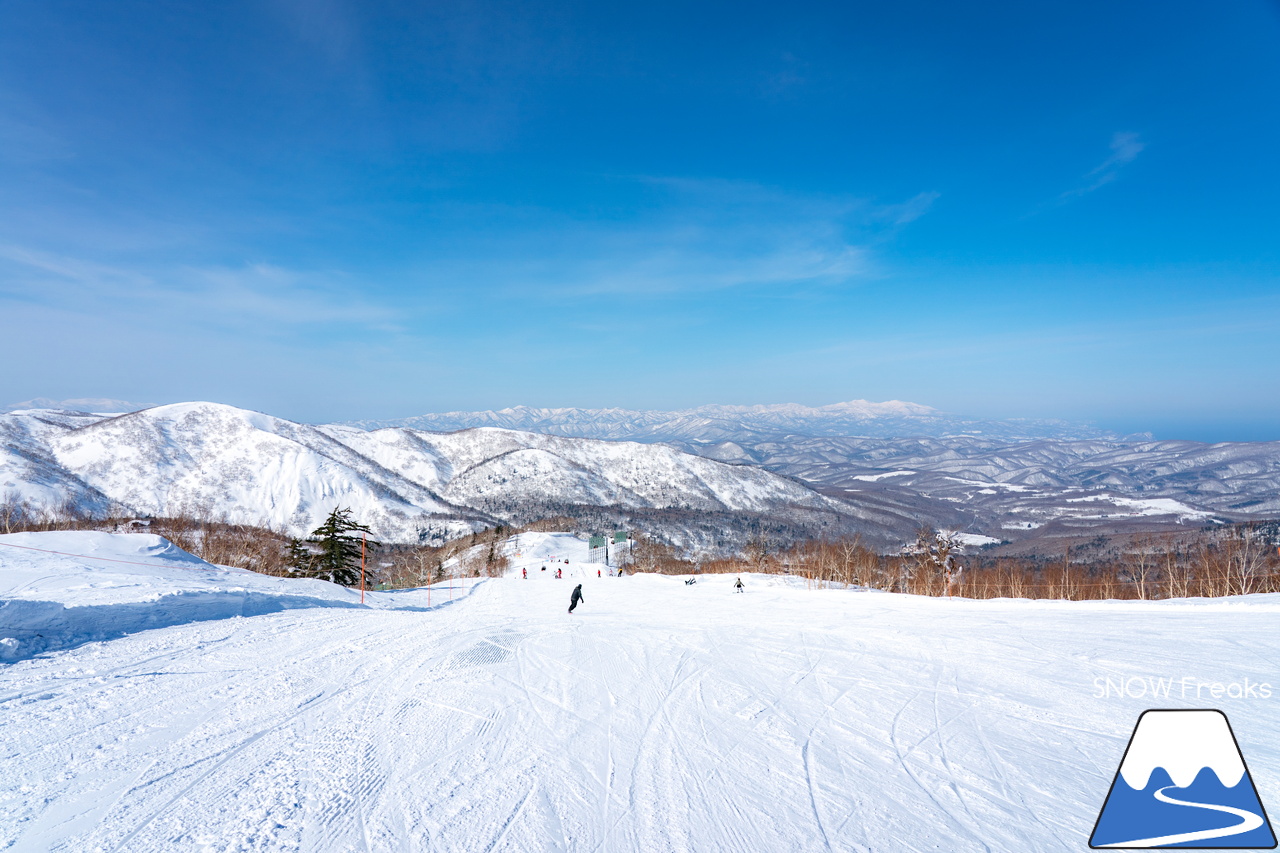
(1183, 783)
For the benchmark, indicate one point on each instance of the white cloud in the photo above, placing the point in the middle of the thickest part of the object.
(253, 296)
(1125, 148)
(689, 236)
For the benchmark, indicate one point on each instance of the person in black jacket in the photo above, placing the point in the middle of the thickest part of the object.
(576, 597)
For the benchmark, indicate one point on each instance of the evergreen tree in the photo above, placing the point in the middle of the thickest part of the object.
(338, 559)
(301, 559)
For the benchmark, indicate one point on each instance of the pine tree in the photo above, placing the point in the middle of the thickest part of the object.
(301, 559)
(338, 560)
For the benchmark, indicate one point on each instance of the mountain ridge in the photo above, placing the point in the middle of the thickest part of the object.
(213, 460)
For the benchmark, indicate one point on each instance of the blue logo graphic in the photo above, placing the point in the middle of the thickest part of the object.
(1183, 783)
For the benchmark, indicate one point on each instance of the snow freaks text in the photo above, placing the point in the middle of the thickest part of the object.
(1186, 687)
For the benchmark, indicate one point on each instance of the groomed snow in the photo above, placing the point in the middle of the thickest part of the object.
(661, 716)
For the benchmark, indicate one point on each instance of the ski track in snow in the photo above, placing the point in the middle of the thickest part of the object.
(659, 717)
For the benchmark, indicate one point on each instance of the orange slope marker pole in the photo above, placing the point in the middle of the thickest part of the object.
(362, 538)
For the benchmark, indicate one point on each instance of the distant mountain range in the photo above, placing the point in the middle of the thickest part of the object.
(1031, 489)
(1009, 479)
(750, 424)
(218, 461)
(103, 405)
(708, 478)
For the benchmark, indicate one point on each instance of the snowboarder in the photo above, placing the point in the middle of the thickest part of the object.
(525, 572)
(576, 597)
(737, 585)
(559, 573)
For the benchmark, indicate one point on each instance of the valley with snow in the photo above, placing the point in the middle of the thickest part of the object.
(268, 714)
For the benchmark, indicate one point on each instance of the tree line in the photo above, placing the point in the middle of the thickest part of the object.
(1211, 562)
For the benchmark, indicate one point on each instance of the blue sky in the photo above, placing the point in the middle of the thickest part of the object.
(331, 210)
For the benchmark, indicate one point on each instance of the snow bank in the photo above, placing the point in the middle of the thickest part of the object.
(61, 589)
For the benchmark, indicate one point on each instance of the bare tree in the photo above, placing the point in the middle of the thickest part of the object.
(1143, 566)
(1246, 552)
(934, 556)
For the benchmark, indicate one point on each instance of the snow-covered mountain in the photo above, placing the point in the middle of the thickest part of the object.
(218, 461)
(213, 461)
(30, 472)
(710, 424)
(1010, 478)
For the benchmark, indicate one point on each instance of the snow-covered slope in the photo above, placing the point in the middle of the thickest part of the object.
(709, 424)
(659, 716)
(62, 589)
(218, 461)
(473, 467)
(212, 460)
(29, 470)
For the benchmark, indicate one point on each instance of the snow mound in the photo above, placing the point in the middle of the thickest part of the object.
(62, 589)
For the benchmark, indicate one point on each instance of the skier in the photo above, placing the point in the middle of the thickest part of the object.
(737, 585)
(597, 573)
(576, 597)
(559, 573)
(525, 573)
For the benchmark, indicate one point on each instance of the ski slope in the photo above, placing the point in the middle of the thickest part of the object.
(660, 716)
